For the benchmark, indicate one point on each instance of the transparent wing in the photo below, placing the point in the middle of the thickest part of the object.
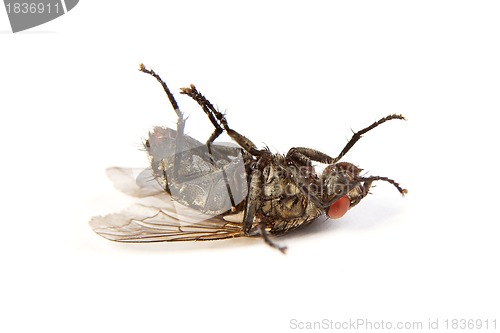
(141, 223)
(163, 221)
(138, 183)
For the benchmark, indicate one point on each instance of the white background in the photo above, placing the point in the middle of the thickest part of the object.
(288, 74)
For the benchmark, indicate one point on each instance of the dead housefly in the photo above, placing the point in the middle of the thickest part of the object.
(214, 191)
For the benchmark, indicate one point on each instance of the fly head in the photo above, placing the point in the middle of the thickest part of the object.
(342, 188)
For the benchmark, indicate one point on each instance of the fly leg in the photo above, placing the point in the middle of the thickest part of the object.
(208, 108)
(300, 156)
(304, 156)
(220, 123)
(265, 235)
(214, 116)
(180, 119)
(356, 136)
(252, 224)
(179, 139)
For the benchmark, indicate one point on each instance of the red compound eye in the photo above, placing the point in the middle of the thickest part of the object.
(339, 208)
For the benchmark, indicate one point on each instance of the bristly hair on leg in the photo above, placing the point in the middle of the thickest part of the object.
(393, 182)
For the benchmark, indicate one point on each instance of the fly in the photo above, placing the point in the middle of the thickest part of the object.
(209, 191)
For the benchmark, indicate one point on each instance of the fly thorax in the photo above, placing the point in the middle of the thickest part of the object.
(273, 181)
